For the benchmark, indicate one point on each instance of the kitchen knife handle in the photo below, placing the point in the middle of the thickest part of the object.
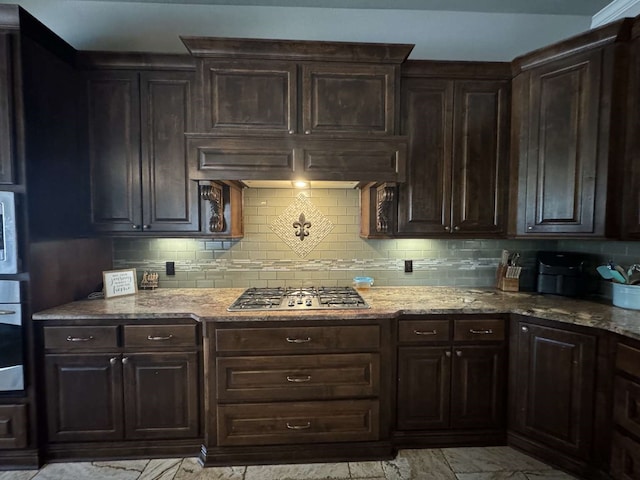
(298, 340)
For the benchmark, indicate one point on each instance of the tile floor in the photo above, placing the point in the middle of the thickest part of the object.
(489, 463)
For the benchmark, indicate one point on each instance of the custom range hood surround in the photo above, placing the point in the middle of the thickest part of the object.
(290, 110)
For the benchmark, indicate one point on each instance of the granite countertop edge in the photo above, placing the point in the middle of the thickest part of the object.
(210, 304)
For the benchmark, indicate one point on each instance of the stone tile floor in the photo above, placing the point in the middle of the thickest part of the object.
(488, 463)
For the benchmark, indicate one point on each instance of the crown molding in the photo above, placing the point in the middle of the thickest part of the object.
(616, 10)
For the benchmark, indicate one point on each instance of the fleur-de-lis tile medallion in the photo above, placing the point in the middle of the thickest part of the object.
(310, 226)
(302, 227)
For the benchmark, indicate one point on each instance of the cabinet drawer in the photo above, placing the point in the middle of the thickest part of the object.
(300, 422)
(423, 331)
(625, 458)
(81, 337)
(298, 339)
(628, 360)
(13, 426)
(626, 405)
(484, 330)
(297, 377)
(160, 336)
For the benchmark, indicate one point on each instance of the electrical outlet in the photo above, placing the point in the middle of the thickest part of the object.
(408, 266)
(171, 268)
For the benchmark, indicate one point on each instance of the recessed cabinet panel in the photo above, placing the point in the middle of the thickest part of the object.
(170, 198)
(13, 426)
(425, 200)
(7, 145)
(114, 150)
(258, 96)
(562, 157)
(554, 389)
(348, 99)
(480, 154)
(84, 397)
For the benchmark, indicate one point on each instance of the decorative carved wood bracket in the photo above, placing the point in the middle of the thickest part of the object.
(385, 196)
(213, 194)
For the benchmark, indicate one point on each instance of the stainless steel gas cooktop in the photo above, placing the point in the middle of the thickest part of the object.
(307, 298)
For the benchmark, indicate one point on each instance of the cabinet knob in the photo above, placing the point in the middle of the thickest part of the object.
(291, 132)
(113, 360)
(146, 227)
(307, 132)
(456, 228)
(524, 329)
(447, 353)
(529, 227)
(458, 353)
(135, 227)
(125, 360)
(447, 228)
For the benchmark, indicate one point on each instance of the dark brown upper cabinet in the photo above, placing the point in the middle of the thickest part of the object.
(568, 135)
(139, 173)
(455, 116)
(285, 110)
(631, 171)
(7, 146)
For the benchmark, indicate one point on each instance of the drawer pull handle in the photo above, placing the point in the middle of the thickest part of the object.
(159, 339)
(299, 427)
(299, 379)
(7, 312)
(298, 340)
(79, 339)
(425, 332)
(488, 331)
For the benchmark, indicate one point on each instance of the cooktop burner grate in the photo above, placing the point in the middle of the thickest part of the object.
(306, 298)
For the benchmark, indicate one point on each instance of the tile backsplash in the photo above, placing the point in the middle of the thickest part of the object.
(263, 259)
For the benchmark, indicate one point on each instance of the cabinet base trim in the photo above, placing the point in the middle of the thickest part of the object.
(20, 460)
(122, 450)
(448, 438)
(311, 453)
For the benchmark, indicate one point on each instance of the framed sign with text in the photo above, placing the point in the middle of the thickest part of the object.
(118, 283)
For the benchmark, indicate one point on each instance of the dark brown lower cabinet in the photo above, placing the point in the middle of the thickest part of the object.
(553, 380)
(114, 396)
(451, 380)
(13, 426)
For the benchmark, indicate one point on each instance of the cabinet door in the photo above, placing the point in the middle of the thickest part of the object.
(255, 96)
(423, 387)
(84, 397)
(561, 159)
(478, 387)
(170, 198)
(7, 145)
(161, 395)
(480, 154)
(631, 180)
(424, 203)
(345, 98)
(554, 372)
(114, 150)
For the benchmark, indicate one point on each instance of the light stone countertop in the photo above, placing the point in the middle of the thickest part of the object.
(206, 304)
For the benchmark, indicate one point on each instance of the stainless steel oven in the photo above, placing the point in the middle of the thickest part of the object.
(11, 341)
(8, 234)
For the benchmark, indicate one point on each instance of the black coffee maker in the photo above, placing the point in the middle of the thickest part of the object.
(562, 273)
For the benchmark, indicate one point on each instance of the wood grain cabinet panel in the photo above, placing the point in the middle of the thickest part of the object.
(13, 426)
(139, 173)
(300, 422)
(297, 377)
(554, 387)
(625, 458)
(160, 336)
(348, 98)
(80, 337)
(250, 96)
(421, 331)
(457, 155)
(7, 145)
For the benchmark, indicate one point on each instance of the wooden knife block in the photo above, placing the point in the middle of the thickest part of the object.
(504, 283)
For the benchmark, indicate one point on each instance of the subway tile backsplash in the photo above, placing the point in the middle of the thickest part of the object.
(263, 259)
